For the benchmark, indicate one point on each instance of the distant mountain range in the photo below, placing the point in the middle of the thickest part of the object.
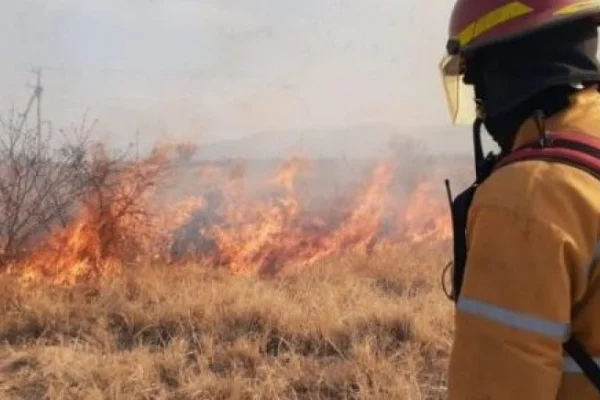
(366, 141)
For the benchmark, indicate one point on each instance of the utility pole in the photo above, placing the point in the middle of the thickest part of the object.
(36, 96)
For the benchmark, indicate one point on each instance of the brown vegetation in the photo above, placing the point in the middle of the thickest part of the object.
(282, 298)
(353, 328)
(168, 278)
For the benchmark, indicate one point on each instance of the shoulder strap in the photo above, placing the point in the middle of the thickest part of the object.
(572, 148)
(580, 151)
(575, 349)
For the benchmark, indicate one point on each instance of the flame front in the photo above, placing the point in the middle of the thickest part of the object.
(229, 225)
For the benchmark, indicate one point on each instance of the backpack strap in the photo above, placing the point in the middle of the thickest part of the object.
(571, 148)
(575, 349)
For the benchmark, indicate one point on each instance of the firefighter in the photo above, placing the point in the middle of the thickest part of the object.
(523, 68)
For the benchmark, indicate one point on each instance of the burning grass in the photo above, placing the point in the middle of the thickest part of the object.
(171, 280)
(130, 215)
(363, 326)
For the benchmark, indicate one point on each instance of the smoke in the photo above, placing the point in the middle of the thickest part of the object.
(222, 69)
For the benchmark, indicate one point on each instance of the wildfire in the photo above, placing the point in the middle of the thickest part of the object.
(230, 225)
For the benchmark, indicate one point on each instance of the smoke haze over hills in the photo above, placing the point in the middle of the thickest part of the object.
(218, 70)
(359, 142)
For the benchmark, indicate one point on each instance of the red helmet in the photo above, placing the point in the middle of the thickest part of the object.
(478, 23)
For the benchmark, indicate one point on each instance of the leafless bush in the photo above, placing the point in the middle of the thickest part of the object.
(119, 194)
(42, 177)
(47, 177)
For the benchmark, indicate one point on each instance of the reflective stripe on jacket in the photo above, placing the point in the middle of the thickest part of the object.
(533, 244)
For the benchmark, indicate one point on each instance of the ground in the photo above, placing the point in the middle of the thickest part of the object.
(353, 327)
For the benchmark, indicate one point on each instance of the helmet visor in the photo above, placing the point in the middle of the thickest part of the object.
(459, 96)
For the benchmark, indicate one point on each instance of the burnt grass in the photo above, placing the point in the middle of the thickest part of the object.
(375, 327)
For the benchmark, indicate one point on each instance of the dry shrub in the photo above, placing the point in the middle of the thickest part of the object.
(42, 177)
(64, 200)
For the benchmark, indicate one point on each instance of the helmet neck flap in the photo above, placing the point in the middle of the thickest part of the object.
(534, 74)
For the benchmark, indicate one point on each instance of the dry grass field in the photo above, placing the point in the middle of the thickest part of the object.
(162, 278)
(355, 327)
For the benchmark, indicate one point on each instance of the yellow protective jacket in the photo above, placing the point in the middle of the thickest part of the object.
(532, 275)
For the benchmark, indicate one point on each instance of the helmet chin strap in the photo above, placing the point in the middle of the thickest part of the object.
(477, 145)
(483, 164)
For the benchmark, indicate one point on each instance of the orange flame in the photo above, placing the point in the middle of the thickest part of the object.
(226, 226)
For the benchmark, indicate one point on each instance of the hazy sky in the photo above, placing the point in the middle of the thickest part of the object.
(216, 69)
